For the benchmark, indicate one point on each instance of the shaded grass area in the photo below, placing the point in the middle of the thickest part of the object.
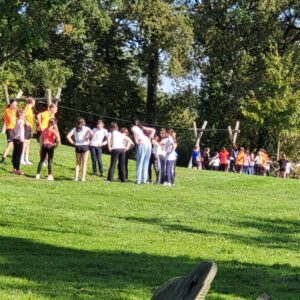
(93, 240)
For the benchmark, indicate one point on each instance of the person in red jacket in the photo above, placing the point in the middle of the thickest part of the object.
(223, 156)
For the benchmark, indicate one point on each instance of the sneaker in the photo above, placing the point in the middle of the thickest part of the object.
(75, 179)
(165, 183)
(83, 179)
(23, 162)
(19, 172)
(37, 176)
(2, 161)
(29, 163)
(50, 178)
(193, 286)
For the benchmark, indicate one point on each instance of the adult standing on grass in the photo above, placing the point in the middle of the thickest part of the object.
(97, 142)
(10, 123)
(142, 136)
(80, 136)
(29, 121)
(19, 138)
(49, 140)
(116, 146)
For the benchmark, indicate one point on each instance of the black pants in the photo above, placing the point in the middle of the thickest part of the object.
(126, 166)
(117, 154)
(96, 154)
(153, 162)
(17, 153)
(46, 150)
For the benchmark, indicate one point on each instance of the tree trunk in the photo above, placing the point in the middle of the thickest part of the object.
(153, 69)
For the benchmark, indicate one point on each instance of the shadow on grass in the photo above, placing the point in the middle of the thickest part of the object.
(34, 228)
(71, 273)
(271, 237)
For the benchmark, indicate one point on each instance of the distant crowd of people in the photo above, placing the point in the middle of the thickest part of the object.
(242, 161)
(157, 152)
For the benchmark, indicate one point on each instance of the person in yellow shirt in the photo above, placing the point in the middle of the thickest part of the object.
(240, 160)
(29, 122)
(10, 122)
(44, 117)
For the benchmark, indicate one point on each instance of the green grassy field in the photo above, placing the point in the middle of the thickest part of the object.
(93, 240)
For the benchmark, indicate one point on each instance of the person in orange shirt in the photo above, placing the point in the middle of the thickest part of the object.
(10, 119)
(29, 122)
(240, 160)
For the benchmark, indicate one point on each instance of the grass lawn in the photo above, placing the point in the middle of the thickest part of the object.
(93, 240)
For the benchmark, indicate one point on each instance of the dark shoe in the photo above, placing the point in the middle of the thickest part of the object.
(194, 286)
(2, 161)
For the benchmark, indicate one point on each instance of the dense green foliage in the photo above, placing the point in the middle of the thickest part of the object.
(93, 240)
(110, 57)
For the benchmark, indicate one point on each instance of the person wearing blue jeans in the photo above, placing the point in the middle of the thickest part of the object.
(142, 136)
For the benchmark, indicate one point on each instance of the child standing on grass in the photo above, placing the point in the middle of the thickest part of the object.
(97, 142)
(215, 162)
(29, 122)
(18, 142)
(282, 165)
(82, 136)
(171, 157)
(10, 123)
(205, 159)
(154, 159)
(196, 158)
(128, 143)
(50, 138)
(116, 146)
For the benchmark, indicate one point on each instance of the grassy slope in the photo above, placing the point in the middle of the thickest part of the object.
(93, 240)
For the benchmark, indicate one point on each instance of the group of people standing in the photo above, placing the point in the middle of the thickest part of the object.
(153, 151)
(242, 161)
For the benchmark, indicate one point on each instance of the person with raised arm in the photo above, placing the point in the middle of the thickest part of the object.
(142, 136)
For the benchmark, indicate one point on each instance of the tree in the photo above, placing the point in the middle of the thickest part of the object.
(162, 39)
(248, 57)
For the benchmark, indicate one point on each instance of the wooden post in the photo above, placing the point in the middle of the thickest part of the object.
(195, 129)
(230, 133)
(198, 141)
(19, 95)
(5, 91)
(236, 130)
(58, 93)
(6, 97)
(278, 147)
(48, 96)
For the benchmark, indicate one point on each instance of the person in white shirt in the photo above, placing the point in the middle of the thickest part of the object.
(215, 162)
(128, 146)
(97, 142)
(154, 159)
(116, 145)
(162, 156)
(80, 136)
(171, 157)
(142, 136)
